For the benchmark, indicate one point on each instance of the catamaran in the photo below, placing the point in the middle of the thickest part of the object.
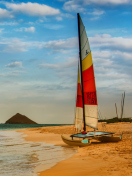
(86, 101)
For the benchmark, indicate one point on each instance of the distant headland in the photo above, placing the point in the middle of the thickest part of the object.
(19, 119)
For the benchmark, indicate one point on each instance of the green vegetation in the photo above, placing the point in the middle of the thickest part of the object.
(115, 120)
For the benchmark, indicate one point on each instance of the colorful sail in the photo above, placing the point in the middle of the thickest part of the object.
(79, 105)
(89, 88)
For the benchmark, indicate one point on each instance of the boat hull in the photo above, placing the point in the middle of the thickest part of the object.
(75, 142)
(108, 138)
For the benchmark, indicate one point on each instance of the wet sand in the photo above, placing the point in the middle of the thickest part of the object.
(98, 159)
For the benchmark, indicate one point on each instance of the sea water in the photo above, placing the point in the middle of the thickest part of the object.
(18, 126)
(19, 157)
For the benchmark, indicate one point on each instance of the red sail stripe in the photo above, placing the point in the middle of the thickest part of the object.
(88, 74)
(90, 97)
(79, 91)
(79, 102)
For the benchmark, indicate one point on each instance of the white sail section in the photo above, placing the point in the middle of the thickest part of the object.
(79, 104)
(91, 115)
(79, 118)
(85, 48)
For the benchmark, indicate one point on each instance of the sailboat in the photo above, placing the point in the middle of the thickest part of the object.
(86, 102)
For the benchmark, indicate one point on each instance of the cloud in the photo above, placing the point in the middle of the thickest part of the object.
(66, 71)
(18, 71)
(104, 2)
(73, 6)
(100, 42)
(16, 45)
(58, 18)
(30, 29)
(8, 23)
(4, 14)
(112, 58)
(33, 9)
(67, 15)
(112, 69)
(2, 75)
(14, 64)
(80, 5)
(69, 43)
(1, 29)
(53, 26)
(96, 12)
(10, 74)
(51, 66)
(106, 41)
(61, 0)
(95, 18)
(12, 45)
(70, 62)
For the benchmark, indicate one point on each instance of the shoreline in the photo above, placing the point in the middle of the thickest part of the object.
(35, 135)
(97, 159)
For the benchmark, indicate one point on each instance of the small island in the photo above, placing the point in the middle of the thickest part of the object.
(19, 119)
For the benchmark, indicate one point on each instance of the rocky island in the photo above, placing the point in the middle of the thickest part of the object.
(19, 119)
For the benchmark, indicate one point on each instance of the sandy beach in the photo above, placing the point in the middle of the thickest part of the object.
(102, 159)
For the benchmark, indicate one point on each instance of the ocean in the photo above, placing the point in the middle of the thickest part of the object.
(18, 126)
(19, 157)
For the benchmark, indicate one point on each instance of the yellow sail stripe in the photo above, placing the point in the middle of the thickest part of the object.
(87, 62)
(78, 76)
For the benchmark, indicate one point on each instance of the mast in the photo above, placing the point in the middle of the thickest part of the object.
(116, 110)
(123, 97)
(80, 59)
(121, 106)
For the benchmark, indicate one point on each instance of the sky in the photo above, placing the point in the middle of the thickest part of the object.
(39, 57)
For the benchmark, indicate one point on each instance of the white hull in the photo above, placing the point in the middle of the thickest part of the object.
(75, 142)
(108, 138)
